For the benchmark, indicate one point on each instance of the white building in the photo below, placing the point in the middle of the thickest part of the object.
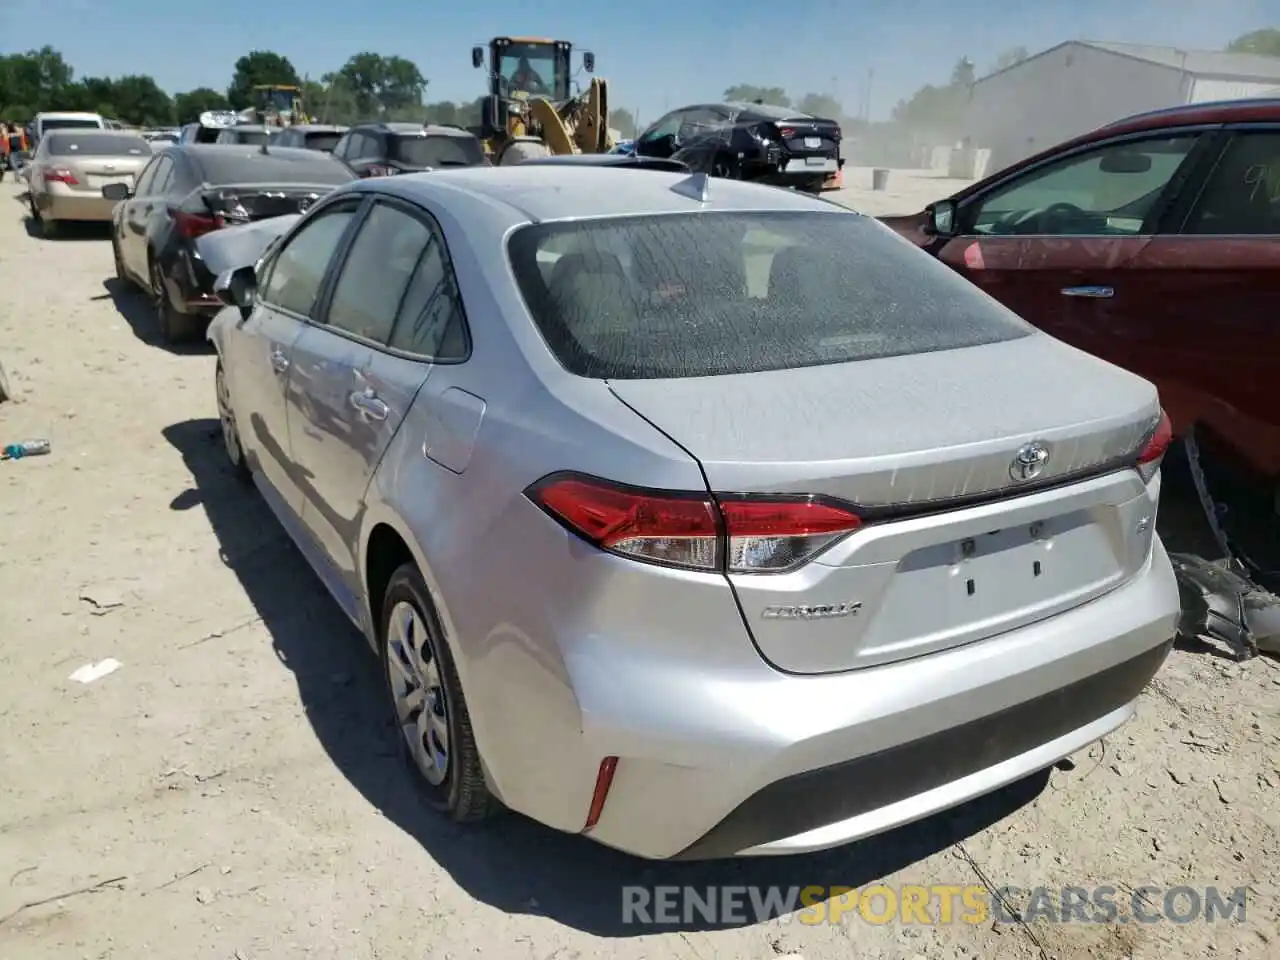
(1079, 85)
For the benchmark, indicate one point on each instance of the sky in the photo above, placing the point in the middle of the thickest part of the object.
(656, 54)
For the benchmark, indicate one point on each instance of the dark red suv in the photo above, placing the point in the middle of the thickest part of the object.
(1153, 243)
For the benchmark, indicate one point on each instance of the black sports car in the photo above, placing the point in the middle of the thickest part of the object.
(748, 141)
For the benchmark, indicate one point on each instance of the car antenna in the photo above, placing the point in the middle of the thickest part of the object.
(696, 186)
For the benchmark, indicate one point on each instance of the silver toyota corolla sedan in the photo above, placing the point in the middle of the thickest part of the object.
(703, 518)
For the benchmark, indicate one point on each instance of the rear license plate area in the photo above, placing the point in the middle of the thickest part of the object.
(964, 589)
(813, 143)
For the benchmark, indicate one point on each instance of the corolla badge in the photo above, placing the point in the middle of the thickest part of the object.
(1029, 462)
(814, 611)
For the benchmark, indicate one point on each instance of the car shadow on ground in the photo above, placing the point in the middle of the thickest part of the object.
(509, 863)
(135, 307)
(66, 230)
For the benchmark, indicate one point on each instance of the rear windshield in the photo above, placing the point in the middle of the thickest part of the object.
(235, 167)
(97, 145)
(69, 123)
(323, 141)
(254, 138)
(437, 151)
(696, 295)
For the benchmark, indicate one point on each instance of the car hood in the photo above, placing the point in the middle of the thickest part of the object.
(243, 244)
(910, 226)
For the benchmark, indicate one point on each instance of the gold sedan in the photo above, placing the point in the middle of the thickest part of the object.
(70, 168)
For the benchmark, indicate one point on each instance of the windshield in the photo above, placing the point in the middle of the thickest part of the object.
(696, 295)
(69, 123)
(437, 151)
(97, 145)
(533, 68)
(252, 137)
(279, 100)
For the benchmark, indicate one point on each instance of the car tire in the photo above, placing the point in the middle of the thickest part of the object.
(48, 228)
(427, 706)
(6, 392)
(175, 326)
(230, 431)
(31, 203)
(724, 168)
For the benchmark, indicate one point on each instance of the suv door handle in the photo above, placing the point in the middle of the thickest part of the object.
(1093, 293)
(369, 405)
(279, 362)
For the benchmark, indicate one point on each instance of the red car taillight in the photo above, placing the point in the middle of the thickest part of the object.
(735, 534)
(192, 225)
(60, 175)
(1153, 450)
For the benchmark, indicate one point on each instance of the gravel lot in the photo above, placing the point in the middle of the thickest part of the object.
(231, 792)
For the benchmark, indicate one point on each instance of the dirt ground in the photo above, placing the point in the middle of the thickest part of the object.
(231, 790)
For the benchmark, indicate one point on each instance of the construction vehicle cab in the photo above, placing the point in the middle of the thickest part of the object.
(530, 109)
(278, 104)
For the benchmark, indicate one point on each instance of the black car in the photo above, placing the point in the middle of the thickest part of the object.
(188, 190)
(748, 141)
(384, 149)
(309, 136)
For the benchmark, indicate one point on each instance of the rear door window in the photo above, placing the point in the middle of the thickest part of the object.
(1116, 190)
(378, 269)
(692, 295)
(1242, 195)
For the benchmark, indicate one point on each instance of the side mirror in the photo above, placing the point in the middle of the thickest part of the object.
(477, 57)
(940, 218)
(116, 191)
(236, 288)
(589, 61)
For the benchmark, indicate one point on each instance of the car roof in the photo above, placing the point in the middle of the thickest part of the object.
(68, 115)
(610, 160)
(247, 128)
(415, 129)
(317, 127)
(542, 192)
(1218, 111)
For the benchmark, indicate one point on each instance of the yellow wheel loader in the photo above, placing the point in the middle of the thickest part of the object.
(276, 105)
(529, 110)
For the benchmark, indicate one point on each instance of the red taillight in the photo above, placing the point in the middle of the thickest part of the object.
(192, 225)
(1153, 450)
(787, 133)
(737, 534)
(60, 175)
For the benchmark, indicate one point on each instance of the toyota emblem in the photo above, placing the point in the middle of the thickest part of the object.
(1029, 462)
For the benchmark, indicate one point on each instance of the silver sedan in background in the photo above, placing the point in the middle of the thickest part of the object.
(70, 168)
(700, 517)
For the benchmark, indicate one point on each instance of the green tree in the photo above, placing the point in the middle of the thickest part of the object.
(382, 84)
(624, 121)
(821, 105)
(255, 68)
(1265, 42)
(771, 95)
(139, 101)
(188, 106)
(35, 79)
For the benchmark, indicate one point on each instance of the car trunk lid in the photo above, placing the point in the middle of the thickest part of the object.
(92, 173)
(954, 546)
(809, 136)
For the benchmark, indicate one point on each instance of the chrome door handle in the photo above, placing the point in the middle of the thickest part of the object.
(1093, 293)
(369, 405)
(279, 362)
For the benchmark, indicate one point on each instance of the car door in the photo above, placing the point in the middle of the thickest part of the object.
(1051, 242)
(139, 212)
(352, 388)
(124, 237)
(1211, 286)
(257, 355)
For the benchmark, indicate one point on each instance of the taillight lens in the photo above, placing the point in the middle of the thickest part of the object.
(60, 175)
(735, 534)
(786, 133)
(1153, 450)
(192, 225)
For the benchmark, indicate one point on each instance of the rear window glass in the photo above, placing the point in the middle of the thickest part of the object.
(253, 137)
(323, 141)
(252, 167)
(97, 145)
(437, 151)
(69, 123)
(695, 295)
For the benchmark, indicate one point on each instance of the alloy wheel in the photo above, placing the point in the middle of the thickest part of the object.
(230, 435)
(417, 690)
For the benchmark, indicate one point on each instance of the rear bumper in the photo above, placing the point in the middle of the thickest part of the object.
(735, 758)
(69, 206)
